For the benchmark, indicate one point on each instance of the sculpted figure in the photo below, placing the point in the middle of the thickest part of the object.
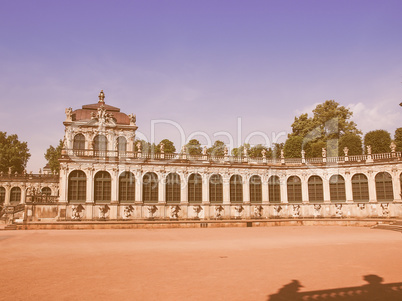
(258, 211)
(385, 210)
(296, 210)
(218, 211)
(393, 146)
(103, 210)
(282, 154)
(69, 114)
(368, 149)
(204, 151)
(226, 151)
(264, 153)
(197, 210)
(317, 210)
(245, 152)
(174, 211)
(133, 119)
(139, 146)
(162, 148)
(76, 212)
(338, 212)
(238, 210)
(151, 211)
(324, 152)
(277, 210)
(127, 211)
(345, 151)
(303, 153)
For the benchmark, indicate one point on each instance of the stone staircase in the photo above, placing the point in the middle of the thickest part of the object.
(393, 226)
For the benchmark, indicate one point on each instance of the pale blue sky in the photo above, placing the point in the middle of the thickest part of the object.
(202, 64)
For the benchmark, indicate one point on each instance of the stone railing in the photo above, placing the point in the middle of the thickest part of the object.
(234, 159)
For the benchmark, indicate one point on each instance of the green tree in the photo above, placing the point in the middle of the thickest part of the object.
(52, 155)
(168, 147)
(398, 139)
(276, 152)
(353, 142)
(329, 123)
(256, 151)
(13, 153)
(218, 149)
(194, 147)
(239, 151)
(379, 140)
(293, 147)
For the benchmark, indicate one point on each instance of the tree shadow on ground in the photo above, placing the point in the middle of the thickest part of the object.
(375, 290)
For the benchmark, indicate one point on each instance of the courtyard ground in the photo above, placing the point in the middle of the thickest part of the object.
(193, 264)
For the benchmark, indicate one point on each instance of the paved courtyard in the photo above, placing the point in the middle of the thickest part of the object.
(193, 264)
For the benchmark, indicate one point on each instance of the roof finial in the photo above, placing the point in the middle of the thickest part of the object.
(102, 97)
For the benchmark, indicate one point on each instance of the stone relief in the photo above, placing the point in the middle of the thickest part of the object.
(238, 210)
(218, 211)
(385, 209)
(197, 210)
(258, 211)
(127, 211)
(361, 206)
(174, 211)
(277, 210)
(296, 211)
(317, 210)
(151, 211)
(103, 211)
(76, 211)
(338, 212)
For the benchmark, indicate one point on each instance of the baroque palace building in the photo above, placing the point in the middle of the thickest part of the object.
(104, 176)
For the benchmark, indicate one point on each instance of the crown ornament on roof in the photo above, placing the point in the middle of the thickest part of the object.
(101, 97)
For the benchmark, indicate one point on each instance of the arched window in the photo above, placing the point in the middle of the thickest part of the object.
(274, 189)
(127, 187)
(294, 190)
(360, 187)
(236, 189)
(103, 187)
(15, 197)
(255, 189)
(195, 188)
(150, 188)
(337, 188)
(315, 189)
(100, 143)
(173, 188)
(79, 142)
(2, 195)
(46, 191)
(216, 189)
(77, 186)
(121, 145)
(383, 187)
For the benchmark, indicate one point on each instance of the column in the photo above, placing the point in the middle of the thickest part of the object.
(265, 195)
(8, 194)
(226, 189)
(325, 184)
(63, 189)
(115, 186)
(284, 189)
(184, 189)
(246, 189)
(205, 188)
(348, 188)
(162, 188)
(23, 194)
(138, 187)
(304, 185)
(371, 186)
(396, 185)
(90, 185)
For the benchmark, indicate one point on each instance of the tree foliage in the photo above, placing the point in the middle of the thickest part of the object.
(194, 147)
(52, 155)
(353, 142)
(168, 147)
(398, 139)
(379, 140)
(13, 153)
(293, 147)
(329, 123)
(218, 149)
